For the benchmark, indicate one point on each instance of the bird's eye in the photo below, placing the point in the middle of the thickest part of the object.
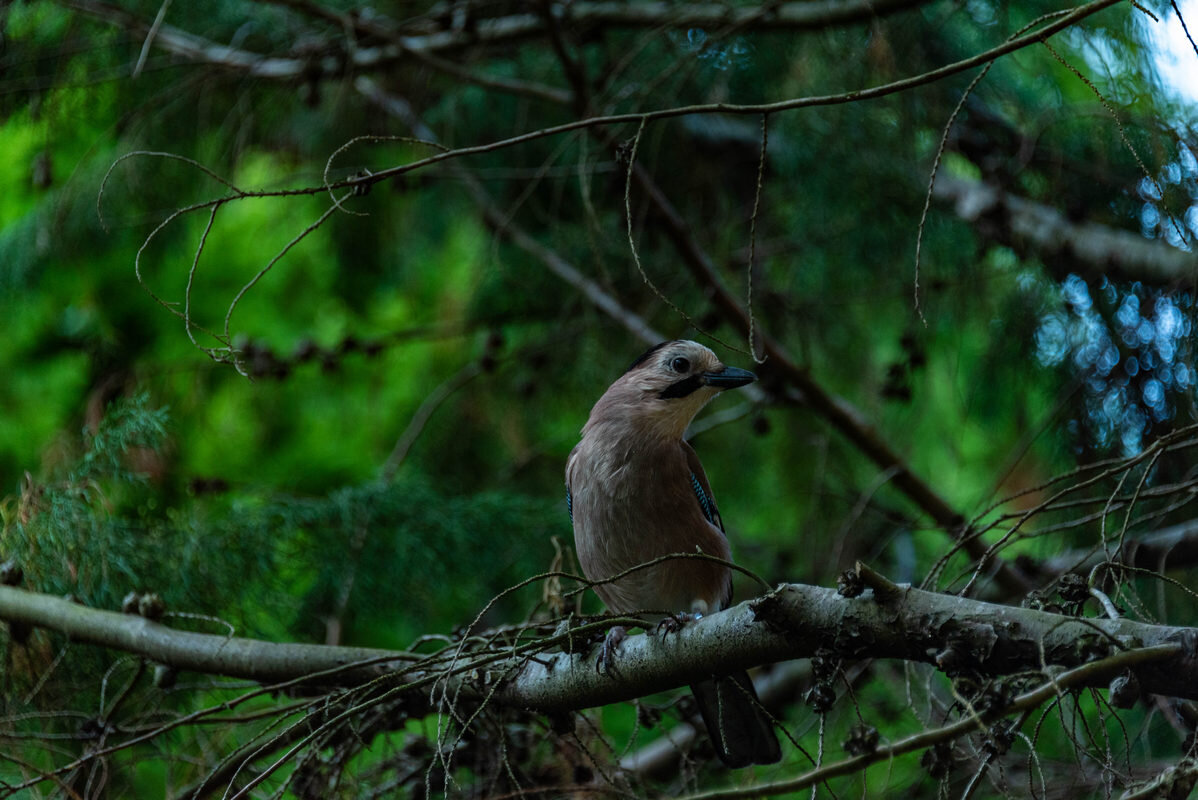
(680, 364)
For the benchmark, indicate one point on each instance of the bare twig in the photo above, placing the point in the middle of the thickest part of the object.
(431, 403)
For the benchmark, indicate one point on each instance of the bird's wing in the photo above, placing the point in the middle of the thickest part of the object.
(569, 477)
(701, 487)
(707, 504)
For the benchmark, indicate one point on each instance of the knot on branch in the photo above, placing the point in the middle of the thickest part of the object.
(771, 611)
(884, 588)
(849, 584)
(968, 645)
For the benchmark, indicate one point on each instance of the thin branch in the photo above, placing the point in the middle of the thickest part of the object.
(1085, 675)
(145, 47)
(1169, 548)
(494, 216)
(423, 414)
(765, 144)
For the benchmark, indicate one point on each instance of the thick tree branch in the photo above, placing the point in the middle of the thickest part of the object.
(796, 621)
(233, 656)
(959, 635)
(1087, 248)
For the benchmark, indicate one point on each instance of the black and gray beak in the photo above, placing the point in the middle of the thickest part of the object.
(728, 378)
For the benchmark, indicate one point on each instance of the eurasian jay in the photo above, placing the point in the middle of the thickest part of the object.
(636, 491)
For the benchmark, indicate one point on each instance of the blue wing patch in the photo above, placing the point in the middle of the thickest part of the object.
(570, 504)
(704, 500)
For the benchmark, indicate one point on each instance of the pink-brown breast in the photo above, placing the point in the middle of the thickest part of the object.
(633, 501)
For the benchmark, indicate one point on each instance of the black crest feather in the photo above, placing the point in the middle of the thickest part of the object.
(648, 354)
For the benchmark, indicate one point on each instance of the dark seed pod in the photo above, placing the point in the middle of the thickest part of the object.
(863, 740)
(849, 584)
(821, 698)
(938, 761)
(151, 606)
(131, 604)
(11, 573)
(1073, 588)
(1124, 690)
(164, 676)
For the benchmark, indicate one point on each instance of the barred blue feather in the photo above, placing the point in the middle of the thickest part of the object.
(704, 501)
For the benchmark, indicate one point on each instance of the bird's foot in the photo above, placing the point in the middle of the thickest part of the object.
(676, 622)
(606, 662)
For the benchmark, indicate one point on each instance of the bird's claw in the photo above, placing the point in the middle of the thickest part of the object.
(606, 662)
(675, 622)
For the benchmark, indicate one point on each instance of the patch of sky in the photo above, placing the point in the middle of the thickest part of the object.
(722, 54)
(1169, 209)
(1132, 349)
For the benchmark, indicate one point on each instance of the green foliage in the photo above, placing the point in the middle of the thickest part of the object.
(392, 549)
(399, 551)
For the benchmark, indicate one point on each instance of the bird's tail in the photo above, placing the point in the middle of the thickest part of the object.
(738, 726)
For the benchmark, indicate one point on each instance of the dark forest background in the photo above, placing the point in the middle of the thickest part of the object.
(278, 352)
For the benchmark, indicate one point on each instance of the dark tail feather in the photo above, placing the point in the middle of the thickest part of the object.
(739, 729)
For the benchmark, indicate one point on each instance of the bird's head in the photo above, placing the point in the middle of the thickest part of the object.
(665, 388)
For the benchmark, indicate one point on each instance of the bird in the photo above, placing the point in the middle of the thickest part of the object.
(635, 491)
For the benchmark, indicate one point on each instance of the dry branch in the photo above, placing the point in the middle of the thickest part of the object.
(978, 720)
(959, 635)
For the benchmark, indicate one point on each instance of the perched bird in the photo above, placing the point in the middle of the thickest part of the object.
(636, 491)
